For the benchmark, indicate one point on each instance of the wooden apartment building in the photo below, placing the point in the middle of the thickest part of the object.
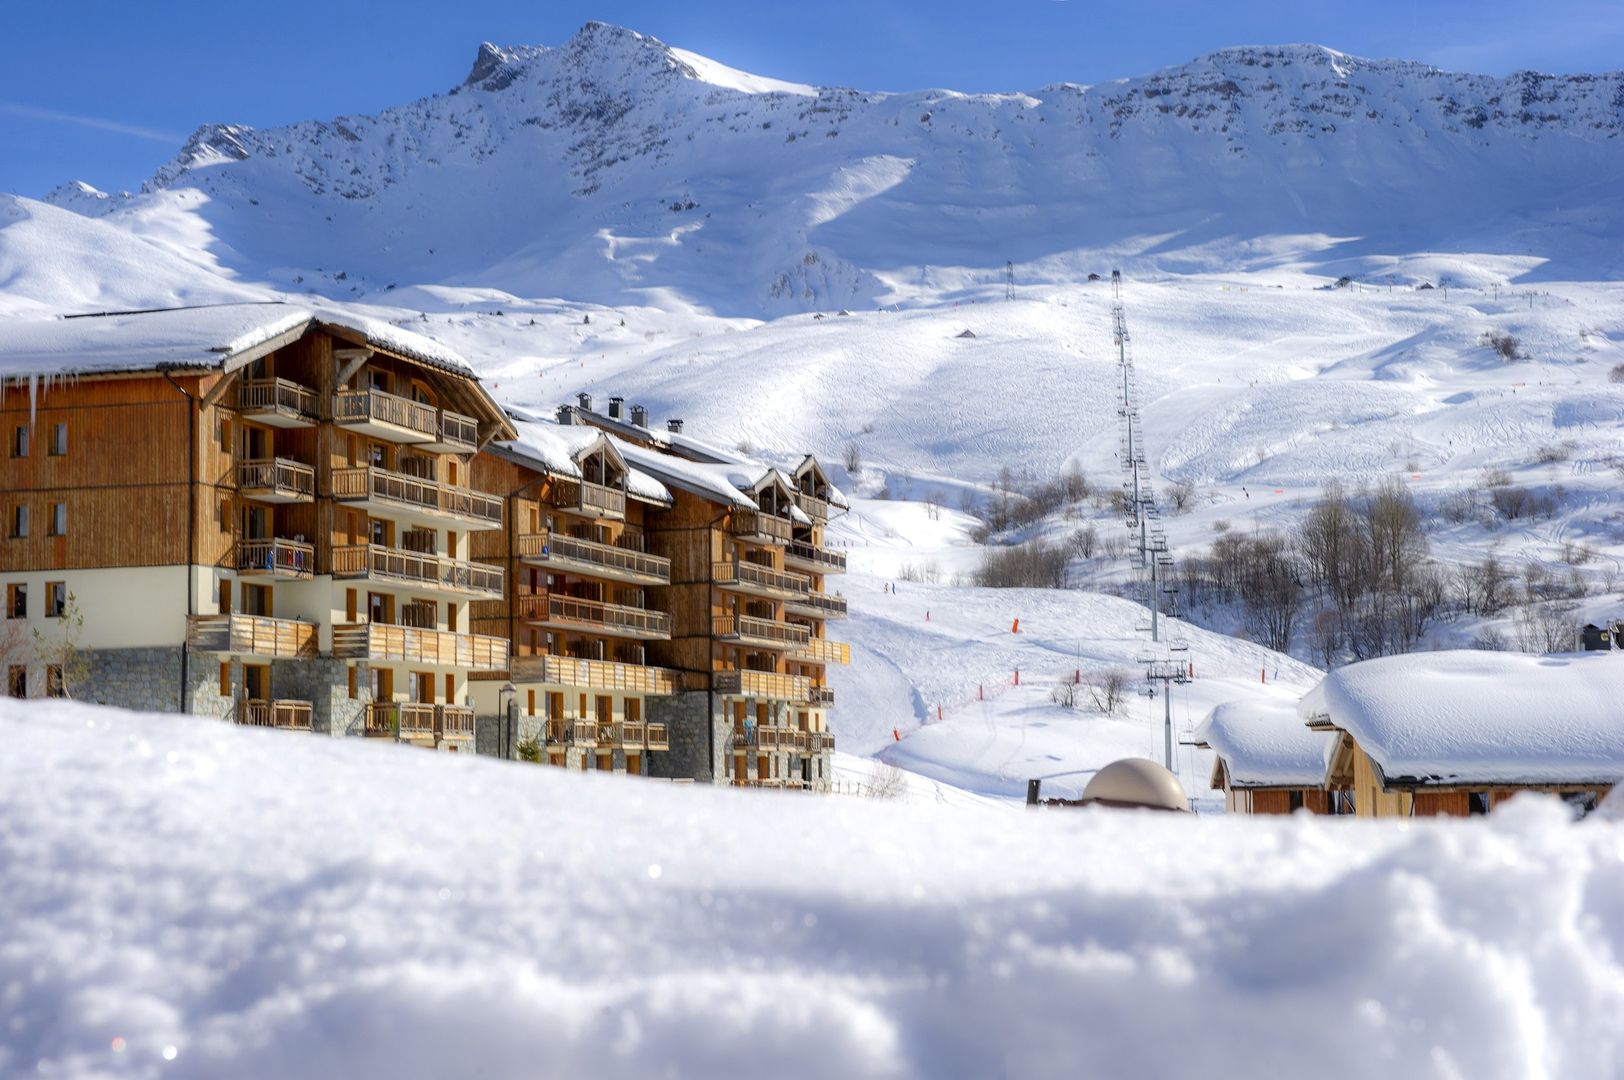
(312, 520)
(262, 512)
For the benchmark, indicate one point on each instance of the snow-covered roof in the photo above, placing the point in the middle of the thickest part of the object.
(209, 336)
(1470, 717)
(1264, 743)
(723, 483)
(557, 448)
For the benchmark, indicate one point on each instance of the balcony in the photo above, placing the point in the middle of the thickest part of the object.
(276, 480)
(595, 617)
(274, 558)
(454, 721)
(818, 606)
(596, 675)
(402, 420)
(822, 651)
(418, 571)
(657, 738)
(815, 508)
(761, 684)
(392, 494)
(820, 741)
(287, 715)
(418, 721)
(821, 695)
(755, 580)
(278, 403)
(766, 633)
(597, 560)
(585, 497)
(759, 528)
(412, 645)
(582, 733)
(251, 635)
(808, 557)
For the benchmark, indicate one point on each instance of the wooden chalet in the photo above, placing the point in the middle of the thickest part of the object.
(1266, 760)
(1459, 733)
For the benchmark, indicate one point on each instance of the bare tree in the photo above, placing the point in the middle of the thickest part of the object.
(1180, 496)
(853, 457)
(60, 651)
(1107, 689)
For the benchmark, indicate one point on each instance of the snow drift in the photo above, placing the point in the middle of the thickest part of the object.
(190, 899)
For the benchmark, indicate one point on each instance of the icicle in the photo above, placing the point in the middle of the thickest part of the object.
(33, 399)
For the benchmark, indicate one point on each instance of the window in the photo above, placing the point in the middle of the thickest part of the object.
(56, 599)
(1294, 800)
(19, 441)
(352, 679)
(17, 601)
(59, 440)
(530, 703)
(59, 519)
(54, 686)
(225, 678)
(17, 681)
(1477, 802)
(19, 521)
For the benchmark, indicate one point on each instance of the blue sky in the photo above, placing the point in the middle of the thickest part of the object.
(106, 92)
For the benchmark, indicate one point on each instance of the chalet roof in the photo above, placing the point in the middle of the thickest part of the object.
(1264, 743)
(206, 337)
(1470, 717)
(558, 448)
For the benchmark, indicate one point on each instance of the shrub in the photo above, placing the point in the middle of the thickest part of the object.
(1032, 565)
(1617, 374)
(1504, 345)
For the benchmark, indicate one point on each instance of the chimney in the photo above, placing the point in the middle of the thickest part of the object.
(674, 426)
(640, 416)
(565, 416)
(586, 402)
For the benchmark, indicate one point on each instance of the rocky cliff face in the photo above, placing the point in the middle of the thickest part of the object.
(616, 168)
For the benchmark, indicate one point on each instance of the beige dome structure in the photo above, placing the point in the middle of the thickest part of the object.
(1137, 783)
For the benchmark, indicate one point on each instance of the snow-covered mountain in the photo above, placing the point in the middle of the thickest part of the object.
(616, 169)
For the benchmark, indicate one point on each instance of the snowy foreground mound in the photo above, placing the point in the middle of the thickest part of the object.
(182, 898)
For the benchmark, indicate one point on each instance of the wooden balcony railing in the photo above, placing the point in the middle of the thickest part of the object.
(277, 476)
(459, 430)
(657, 737)
(765, 631)
(575, 732)
(822, 651)
(454, 721)
(763, 528)
(748, 575)
(251, 635)
(817, 509)
(280, 396)
(550, 547)
(821, 695)
(633, 734)
(286, 557)
(416, 720)
(371, 406)
(818, 605)
(595, 615)
(828, 562)
(379, 641)
(380, 563)
(286, 714)
(585, 497)
(369, 483)
(767, 684)
(596, 674)
(382, 719)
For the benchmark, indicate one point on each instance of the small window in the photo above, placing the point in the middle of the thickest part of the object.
(17, 681)
(59, 519)
(59, 440)
(56, 599)
(19, 521)
(19, 441)
(17, 601)
(54, 686)
(1477, 802)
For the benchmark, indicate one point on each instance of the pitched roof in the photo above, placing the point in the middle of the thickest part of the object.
(1469, 717)
(557, 449)
(213, 336)
(1264, 743)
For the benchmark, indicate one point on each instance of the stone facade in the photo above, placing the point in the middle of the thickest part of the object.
(698, 744)
(147, 679)
(325, 683)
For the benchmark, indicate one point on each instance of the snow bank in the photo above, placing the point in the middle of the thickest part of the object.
(1482, 717)
(256, 904)
(1264, 743)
